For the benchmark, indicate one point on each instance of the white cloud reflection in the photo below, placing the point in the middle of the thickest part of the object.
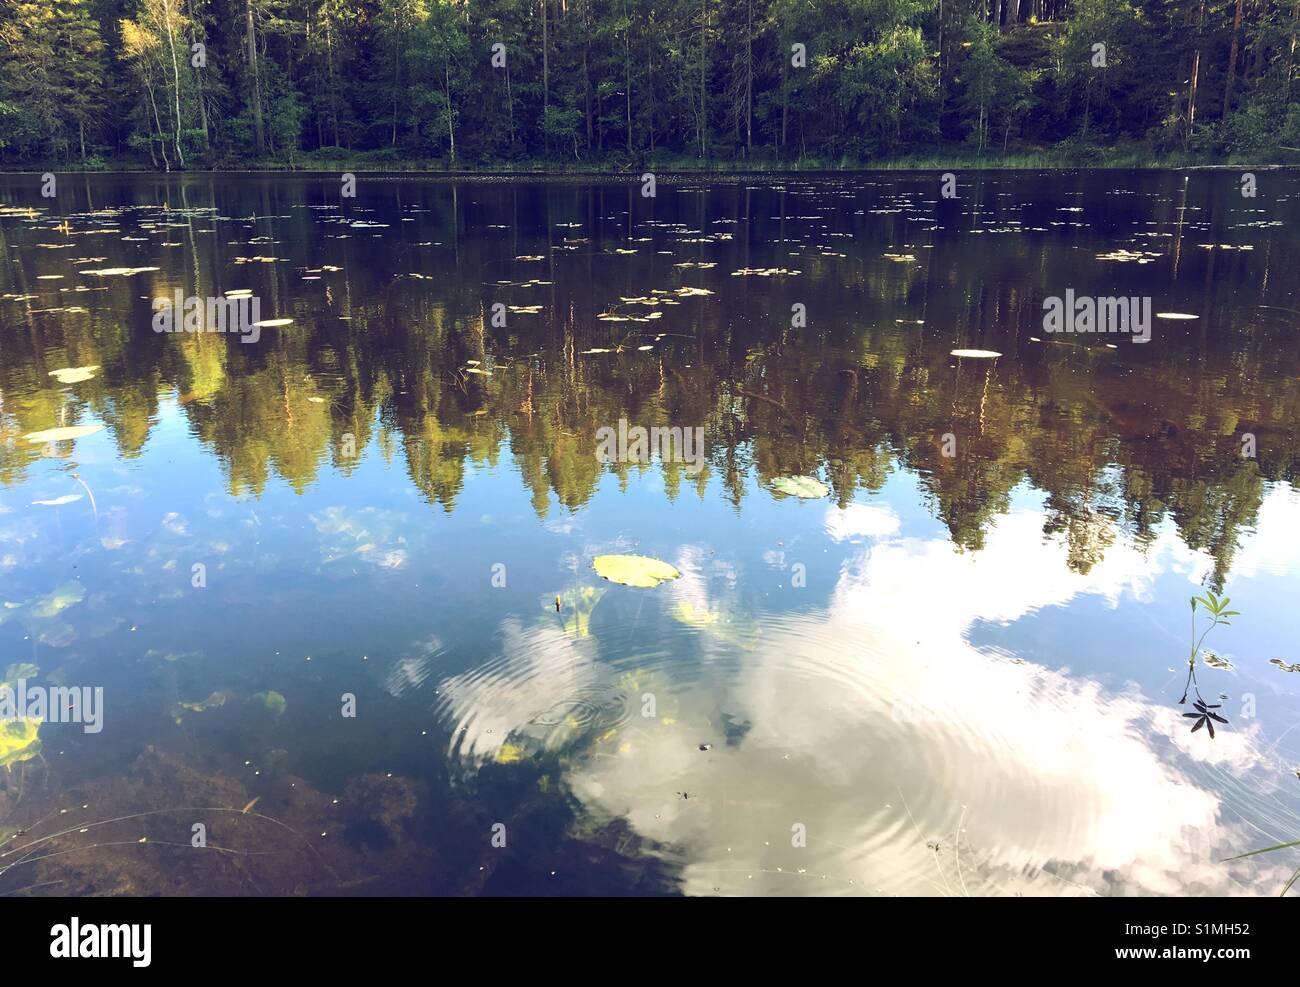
(917, 763)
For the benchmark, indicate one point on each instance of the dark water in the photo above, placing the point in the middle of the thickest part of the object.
(951, 675)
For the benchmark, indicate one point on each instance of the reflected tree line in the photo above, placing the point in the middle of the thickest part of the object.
(396, 354)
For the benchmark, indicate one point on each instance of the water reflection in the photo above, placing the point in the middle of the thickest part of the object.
(956, 675)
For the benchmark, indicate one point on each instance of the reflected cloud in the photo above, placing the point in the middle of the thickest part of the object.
(914, 762)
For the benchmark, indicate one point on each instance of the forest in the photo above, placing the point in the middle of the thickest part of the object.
(611, 84)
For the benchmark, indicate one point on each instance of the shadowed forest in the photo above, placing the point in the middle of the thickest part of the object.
(183, 84)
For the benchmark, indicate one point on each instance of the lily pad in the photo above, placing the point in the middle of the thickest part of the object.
(53, 604)
(74, 375)
(63, 434)
(213, 701)
(808, 487)
(977, 354)
(22, 670)
(510, 754)
(273, 701)
(19, 741)
(634, 570)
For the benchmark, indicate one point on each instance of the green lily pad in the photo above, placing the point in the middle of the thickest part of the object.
(273, 701)
(19, 741)
(807, 487)
(215, 701)
(22, 670)
(634, 570)
(53, 604)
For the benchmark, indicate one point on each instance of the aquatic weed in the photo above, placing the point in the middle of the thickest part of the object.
(1219, 612)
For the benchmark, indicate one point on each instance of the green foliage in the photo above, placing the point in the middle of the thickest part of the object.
(626, 82)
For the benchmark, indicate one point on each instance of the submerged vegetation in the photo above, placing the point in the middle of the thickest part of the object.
(613, 84)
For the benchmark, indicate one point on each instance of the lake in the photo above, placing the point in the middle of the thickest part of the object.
(930, 623)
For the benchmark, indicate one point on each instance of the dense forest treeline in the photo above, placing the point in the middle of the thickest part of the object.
(219, 83)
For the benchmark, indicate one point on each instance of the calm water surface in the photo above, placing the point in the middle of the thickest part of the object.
(954, 675)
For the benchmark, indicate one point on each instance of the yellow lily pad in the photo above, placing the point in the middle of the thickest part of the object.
(19, 741)
(634, 570)
(807, 487)
(510, 754)
(63, 434)
(73, 375)
(977, 354)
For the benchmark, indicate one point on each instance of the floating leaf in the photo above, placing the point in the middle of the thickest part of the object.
(22, 670)
(808, 487)
(510, 754)
(977, 354)
(273, 701)
(69, 594)
(214, 700)
(109, 272)
(74, 375)
(63, 434)
(634, 570)
(19, 740)
(58, 501)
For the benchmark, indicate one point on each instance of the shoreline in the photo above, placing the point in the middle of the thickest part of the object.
(668, 175)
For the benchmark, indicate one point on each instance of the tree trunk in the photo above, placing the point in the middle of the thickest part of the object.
(259, 130)
(627, 78)
(1232, 62)
(176, 80)
(704, 58)
(586, 73)
(749, 79)
(334, 99)
(1196, 73)
(1290, 55)
(451, 129)
(198, 81)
